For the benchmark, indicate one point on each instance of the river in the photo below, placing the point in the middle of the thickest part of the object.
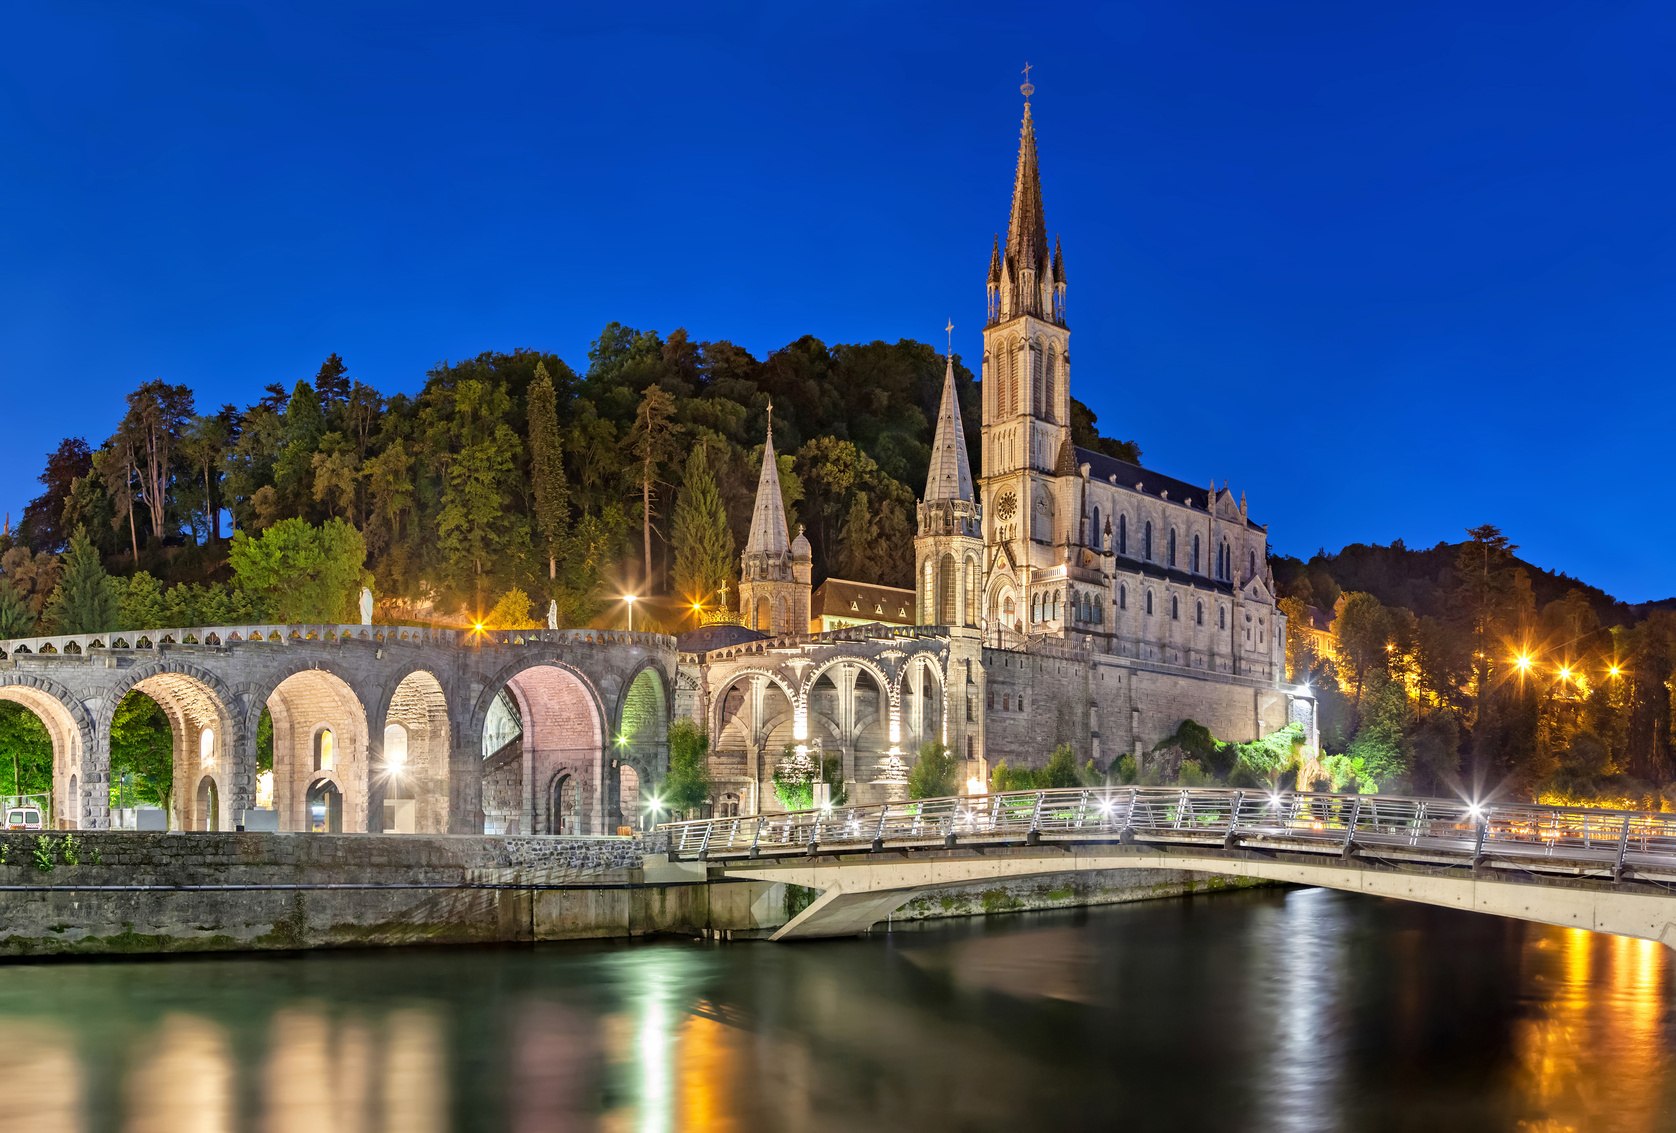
(1266, 1010)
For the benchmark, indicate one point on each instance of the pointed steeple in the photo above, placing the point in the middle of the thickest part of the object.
(768, 517)
(1027, 244)
(950, 477)
(995, 262)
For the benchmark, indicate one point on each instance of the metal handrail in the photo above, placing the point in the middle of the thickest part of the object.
(1614, 841)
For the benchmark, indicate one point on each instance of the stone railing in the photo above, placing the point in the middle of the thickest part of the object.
(871, 631)
(74, 644)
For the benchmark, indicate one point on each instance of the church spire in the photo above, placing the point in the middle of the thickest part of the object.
(950, 477)
(768, 517)
(1028, 262)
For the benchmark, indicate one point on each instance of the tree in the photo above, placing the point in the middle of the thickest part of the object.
(547, 478)
(475, 522)
(306, 575)
(933, 776)
(152, 429)
(84, 601)
(704, 548)
(512, 611)
(142, 750)
(687, 786)
(42, 525)
(25, 752)
(331, 385)
(653, 443)
(16, 619)
(204, 445)
(1363, 630)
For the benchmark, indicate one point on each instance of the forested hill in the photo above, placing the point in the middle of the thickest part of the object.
(446, 486)
(1424, 581)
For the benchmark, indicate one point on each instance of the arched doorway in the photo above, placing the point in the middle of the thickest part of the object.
(754, 721)
(208, 807)
(628, 796)
(320, 736)
(553, 716)
(44, 753)
(562, 815)
(642, 743)
(413, 771)
(324, 804)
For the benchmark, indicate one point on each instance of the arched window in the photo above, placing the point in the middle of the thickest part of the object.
(1149, 603)
(1172, 546)
(206, 746)
(1253, 570)
(1199, 613)
(325, 750)
(1222, 617)
(1146, 542)
(1035, 608)
(1096, 533)
(1056, 605)
(395, 748)
(1048, 383)
(1037, 406)
(1007, 609)
(1122, 597)
(1195, 554)
(1175, 608)
(1123, 535)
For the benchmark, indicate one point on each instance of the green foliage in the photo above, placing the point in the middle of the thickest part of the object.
(84, 601)
(832, 774)
(70, 849)
(145, 603)
(1124, 771)
(304, 575)
(142, 749)
(265, 742)
(1193, 775)
(934, 773)
(705, 554)
(25, 751)
(1060, 771)
(41, 853)
(16, 619)
(794, 779)
(512, 611)
(551, 512)
(687, 786)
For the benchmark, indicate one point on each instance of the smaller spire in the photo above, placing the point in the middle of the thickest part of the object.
(768, 517)
(995, 261)
(1058, 261)
(950, 475)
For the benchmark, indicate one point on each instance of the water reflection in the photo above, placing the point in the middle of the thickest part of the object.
(1299, 1010)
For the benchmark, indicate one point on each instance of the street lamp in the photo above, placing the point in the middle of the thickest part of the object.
(629, 598)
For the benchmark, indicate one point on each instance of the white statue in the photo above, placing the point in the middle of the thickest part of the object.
(553, 614)
(366, 606)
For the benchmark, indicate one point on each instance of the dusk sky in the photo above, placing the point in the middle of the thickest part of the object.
(1392, 274)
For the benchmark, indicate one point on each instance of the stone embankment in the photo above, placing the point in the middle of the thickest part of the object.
(109, 892)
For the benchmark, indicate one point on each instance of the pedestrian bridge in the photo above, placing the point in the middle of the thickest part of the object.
(1609, 871)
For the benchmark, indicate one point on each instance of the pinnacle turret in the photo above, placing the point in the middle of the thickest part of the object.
(768, 518)
(950, 476)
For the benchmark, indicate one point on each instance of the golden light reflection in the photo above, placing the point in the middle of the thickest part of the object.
(1594, 1048)
(708, 1057)
(185, 1081)
(415, 1073)
(326, 1077)
(41, 1079)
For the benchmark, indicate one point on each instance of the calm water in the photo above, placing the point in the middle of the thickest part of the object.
(1296, 1010)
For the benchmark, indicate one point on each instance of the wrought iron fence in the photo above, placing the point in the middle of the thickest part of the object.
(1320, 823)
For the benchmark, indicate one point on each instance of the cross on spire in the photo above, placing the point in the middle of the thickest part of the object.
(950, 329)
(1026, 89)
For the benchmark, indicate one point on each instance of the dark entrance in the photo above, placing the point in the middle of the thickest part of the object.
(209, 805)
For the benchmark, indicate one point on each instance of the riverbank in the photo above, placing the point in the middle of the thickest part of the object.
(138, 893)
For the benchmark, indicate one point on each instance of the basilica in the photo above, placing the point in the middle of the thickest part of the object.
(1063, 596)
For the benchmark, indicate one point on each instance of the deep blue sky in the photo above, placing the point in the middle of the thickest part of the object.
(1393, 273)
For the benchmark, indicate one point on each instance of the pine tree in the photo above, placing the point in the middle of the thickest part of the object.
(85, 601)
(704, 550)
(552, 490)
(653, 443)
(15, 618)
(330, 384)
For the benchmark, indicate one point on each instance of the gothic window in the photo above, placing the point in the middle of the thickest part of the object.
(1012, 377)
(1146, 542)
(1175, 608)
(1172, 546)
(1199, 613)
(1122, 597)
(1048, 383)
(1253, 571)
(1057, 609)
(1149, 603)
(989, 698)
(1036, 405)
(1195, 554)
(1096, 539)
(1222, 617)
(1123, 535)
(1007, 609)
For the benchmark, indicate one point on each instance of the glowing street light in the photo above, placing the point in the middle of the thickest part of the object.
(1614, 671)
(1565, 672)
(629, 598)
(1523, 661)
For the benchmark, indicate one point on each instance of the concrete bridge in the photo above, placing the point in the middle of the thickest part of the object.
(374, 728)
(1609, 871)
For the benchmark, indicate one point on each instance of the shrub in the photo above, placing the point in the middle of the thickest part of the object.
(688, 783)
(933, 775)
(794, 780)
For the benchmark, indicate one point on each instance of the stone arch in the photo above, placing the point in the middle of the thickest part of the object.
(1001, 590)
(410, 786)
(923, 712)
(196, 703)
(75, 755)
(305, 704)
(641, 740)
(732, 727)
(562, 720)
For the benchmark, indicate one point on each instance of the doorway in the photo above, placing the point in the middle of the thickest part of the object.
(325, 808)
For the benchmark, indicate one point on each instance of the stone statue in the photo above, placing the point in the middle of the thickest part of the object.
(553, 614)
(366, 606)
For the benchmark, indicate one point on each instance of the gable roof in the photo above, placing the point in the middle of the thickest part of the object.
(1103, 467)
(864, 601)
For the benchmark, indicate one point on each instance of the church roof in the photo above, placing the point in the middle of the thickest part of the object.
(863, 601)
(768, 517)
(1103, 467)
(706, 638)
(950, 476)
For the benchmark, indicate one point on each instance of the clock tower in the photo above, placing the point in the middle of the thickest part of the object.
(1026, 400)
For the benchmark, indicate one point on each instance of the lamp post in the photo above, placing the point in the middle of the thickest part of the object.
(629, 598)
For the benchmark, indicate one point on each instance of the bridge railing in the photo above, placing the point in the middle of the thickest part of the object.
(1614, 840)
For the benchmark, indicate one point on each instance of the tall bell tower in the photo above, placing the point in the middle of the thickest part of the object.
(1026, 388)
